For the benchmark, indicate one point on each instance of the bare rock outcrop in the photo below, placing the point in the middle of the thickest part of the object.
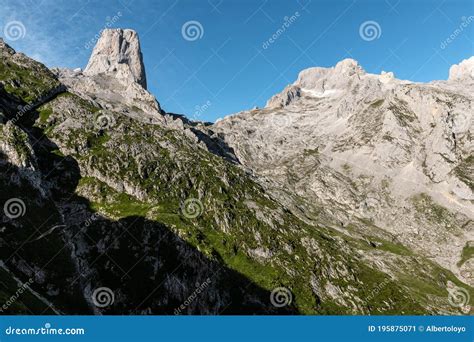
(118, 53)
(115, 78)
(357, 146)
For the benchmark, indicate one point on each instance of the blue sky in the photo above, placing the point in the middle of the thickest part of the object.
(231, 65)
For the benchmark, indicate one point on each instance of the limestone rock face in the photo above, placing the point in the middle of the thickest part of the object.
(350, 185)
(330, 82)
(118, 53)
(358, 146)
(115, 77)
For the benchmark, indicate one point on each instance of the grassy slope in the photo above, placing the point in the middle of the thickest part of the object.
(167, 185)
(170, 175)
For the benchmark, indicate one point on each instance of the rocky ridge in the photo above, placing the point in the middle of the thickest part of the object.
(357, 146)
(118, 54)
(118, 193)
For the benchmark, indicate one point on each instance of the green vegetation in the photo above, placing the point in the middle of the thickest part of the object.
(112, 203)
(44, 114)
(346, 167)
(465, 171)
(240, 225)
(403, 113)
(227, 228)
(377, 103)
(18, 139)
(211, 241)
(394, 248)
(311, 152)
(57, 152)
(18, 81)
(432, 211)
(467, 253)
(97, 142)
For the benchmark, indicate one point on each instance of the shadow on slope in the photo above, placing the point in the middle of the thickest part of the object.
(69, 251)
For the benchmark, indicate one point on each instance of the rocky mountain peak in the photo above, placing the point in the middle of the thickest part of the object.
(320, 82)
(352, 182)
(115, 77)
(312, 77)
(118, 53)
(4, 47)
(341, 137)
(463, 70)
(348, 66)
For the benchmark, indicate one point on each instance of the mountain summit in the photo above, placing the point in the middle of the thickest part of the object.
(360, 146)
(118, 53)
(322, 82)
(114, 77)
(331, 200)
